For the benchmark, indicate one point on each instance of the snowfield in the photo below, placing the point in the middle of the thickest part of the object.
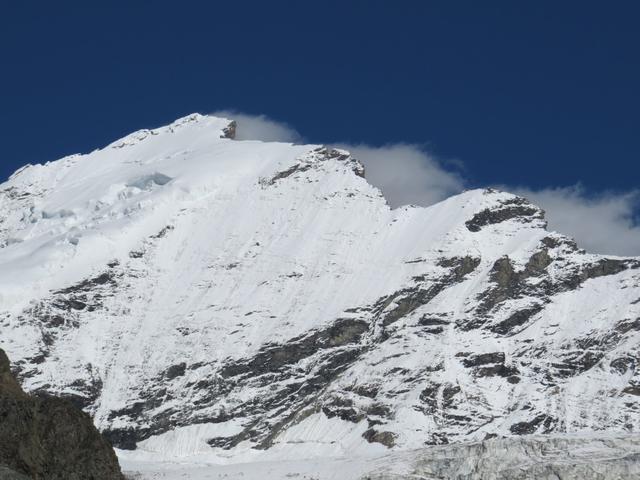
(213, 301)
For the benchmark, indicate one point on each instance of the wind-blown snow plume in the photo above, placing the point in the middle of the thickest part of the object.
(407, 174)
(601, 224)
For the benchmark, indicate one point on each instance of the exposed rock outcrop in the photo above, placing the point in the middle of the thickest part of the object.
(516, 208)
(229, 131)
(47, 438)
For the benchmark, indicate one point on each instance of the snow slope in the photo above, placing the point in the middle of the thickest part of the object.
(238, 300)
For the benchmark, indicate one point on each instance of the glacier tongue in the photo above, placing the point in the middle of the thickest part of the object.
(204, 296)
(550, 457)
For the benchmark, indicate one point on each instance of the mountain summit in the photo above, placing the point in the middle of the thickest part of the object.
(201, 295)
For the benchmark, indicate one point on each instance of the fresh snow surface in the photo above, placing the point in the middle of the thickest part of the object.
(201, 296)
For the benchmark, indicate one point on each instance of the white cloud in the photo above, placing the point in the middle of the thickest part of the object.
(601, 224)
(407, 174)
(260, 127)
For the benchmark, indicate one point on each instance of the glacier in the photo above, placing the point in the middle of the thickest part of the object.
(224, 301)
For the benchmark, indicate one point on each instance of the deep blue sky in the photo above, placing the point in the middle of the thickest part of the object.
(524, 93)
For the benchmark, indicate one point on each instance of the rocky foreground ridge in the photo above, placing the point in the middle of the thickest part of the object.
(47, 438)
(198, 295)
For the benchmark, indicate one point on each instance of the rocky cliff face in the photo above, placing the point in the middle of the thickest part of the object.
(46, 438)
(197, 294)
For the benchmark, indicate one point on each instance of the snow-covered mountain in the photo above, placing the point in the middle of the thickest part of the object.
(199, 295)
